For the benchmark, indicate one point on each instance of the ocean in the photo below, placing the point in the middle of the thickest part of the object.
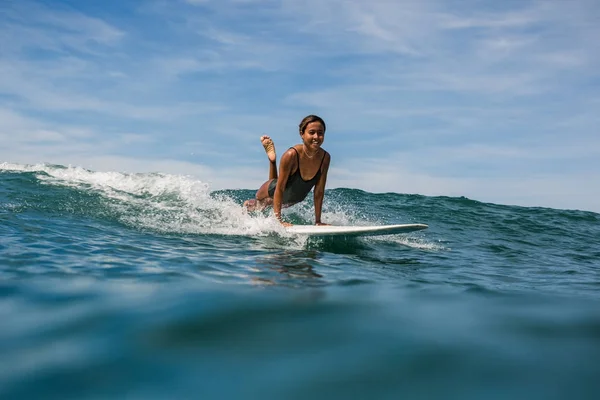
(154, 286)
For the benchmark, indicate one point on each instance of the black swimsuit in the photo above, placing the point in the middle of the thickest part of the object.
(296, 188)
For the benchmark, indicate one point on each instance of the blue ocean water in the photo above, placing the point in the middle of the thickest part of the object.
(152, 286)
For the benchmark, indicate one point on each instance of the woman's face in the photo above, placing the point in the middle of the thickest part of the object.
(313, 135)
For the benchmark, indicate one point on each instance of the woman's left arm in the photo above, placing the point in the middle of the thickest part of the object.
(320, 189)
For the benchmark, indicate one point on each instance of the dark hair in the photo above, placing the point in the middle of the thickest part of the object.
(308, 119)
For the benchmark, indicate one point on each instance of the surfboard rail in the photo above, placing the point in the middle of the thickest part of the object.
(345, 230)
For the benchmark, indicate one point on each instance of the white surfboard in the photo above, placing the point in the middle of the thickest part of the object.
(331, 230)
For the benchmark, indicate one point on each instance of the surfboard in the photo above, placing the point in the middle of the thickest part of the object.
(331, 230)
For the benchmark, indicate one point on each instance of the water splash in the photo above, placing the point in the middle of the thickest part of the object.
(416, 242)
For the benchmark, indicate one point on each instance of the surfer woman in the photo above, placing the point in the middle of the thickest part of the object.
(306, 159)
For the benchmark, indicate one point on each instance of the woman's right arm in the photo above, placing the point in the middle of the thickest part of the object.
(285, 167)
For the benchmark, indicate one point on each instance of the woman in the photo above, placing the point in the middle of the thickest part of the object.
(303, 160)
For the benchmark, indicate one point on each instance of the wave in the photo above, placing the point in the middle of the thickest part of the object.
(178, 204)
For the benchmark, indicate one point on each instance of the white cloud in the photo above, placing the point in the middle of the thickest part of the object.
(419, 96)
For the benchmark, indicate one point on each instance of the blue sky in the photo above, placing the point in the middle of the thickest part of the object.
(495, 101)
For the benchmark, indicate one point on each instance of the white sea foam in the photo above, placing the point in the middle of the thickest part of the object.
(162, 202)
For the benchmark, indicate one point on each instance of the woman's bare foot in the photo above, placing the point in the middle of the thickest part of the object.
(250, 205)
(269, 147)
(257, 205)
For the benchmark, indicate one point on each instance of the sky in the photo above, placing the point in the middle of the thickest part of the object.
(495, 101)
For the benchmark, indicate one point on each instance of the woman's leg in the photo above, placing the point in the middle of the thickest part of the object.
(270, 150)
(262, 199)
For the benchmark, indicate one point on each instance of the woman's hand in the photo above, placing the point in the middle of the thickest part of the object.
(278, 216)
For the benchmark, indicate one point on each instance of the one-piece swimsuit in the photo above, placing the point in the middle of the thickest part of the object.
(296, 188)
